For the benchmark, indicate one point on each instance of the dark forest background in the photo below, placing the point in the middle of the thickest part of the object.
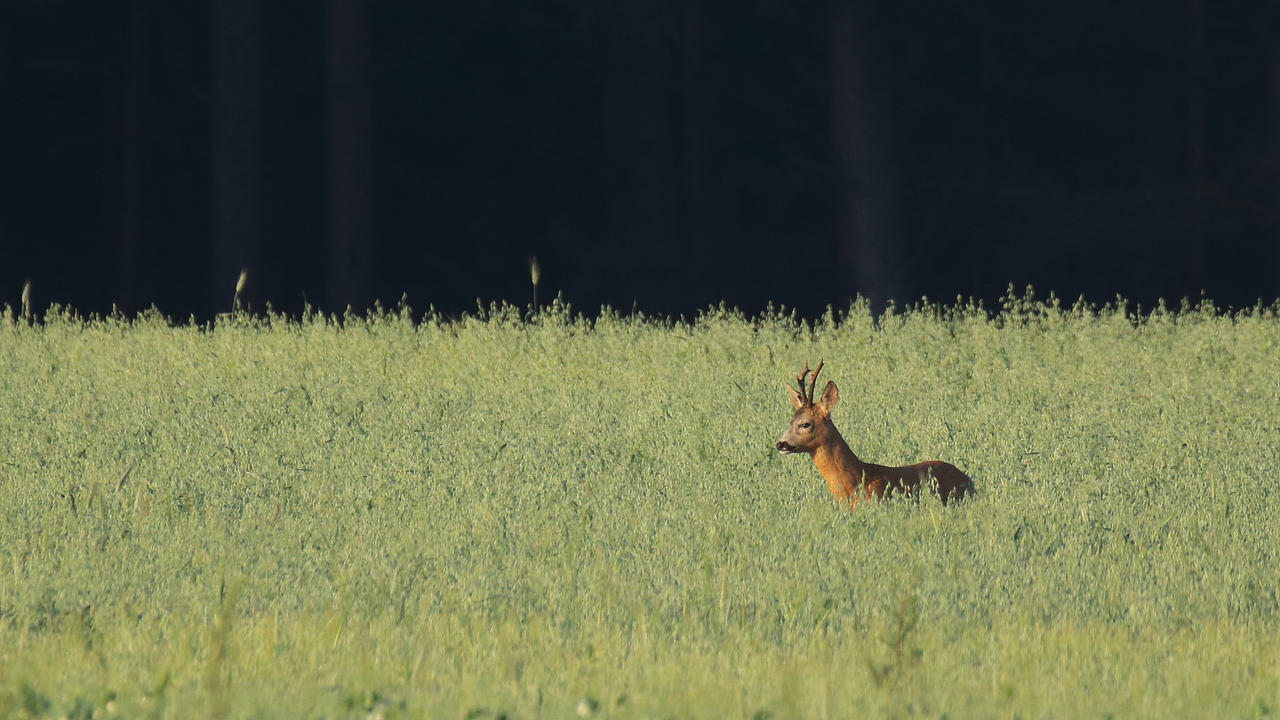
(660, 154)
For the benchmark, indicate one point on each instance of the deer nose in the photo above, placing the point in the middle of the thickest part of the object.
(784, 446)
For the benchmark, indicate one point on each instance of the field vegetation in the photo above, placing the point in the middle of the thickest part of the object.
(503, 515)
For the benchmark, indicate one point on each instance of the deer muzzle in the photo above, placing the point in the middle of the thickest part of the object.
(785, 447)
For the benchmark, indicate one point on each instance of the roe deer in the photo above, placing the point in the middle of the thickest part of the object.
(850, 479)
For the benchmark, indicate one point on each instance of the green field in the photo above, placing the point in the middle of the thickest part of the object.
(493, 516)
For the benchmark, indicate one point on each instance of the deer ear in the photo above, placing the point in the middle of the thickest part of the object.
(830, 396)
(795, 397)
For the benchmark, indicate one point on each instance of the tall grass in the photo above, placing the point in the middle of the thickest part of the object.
(500, 515)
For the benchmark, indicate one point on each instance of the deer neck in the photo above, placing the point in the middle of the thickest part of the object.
(839, 466)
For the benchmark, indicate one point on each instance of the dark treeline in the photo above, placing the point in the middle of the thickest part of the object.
(668, 154)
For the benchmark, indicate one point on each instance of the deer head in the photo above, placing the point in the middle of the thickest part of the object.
(811, 426)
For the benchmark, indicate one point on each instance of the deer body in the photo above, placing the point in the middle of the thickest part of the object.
(851, 480)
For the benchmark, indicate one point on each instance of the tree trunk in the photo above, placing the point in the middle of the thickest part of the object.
(237, 147)
(866, 192)
(351, 226)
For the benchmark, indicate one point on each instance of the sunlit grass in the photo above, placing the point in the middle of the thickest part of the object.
(407, 517)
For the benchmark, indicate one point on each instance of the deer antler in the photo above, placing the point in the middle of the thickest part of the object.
(813, 382)
(808, 399)
(807, 396)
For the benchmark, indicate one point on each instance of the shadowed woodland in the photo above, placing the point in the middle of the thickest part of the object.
(659, 155)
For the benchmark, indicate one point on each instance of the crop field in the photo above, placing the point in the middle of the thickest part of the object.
(554, 516)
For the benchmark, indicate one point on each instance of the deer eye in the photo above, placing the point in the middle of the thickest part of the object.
(806, 425)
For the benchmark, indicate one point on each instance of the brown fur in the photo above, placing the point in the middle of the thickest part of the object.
(850, 479)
